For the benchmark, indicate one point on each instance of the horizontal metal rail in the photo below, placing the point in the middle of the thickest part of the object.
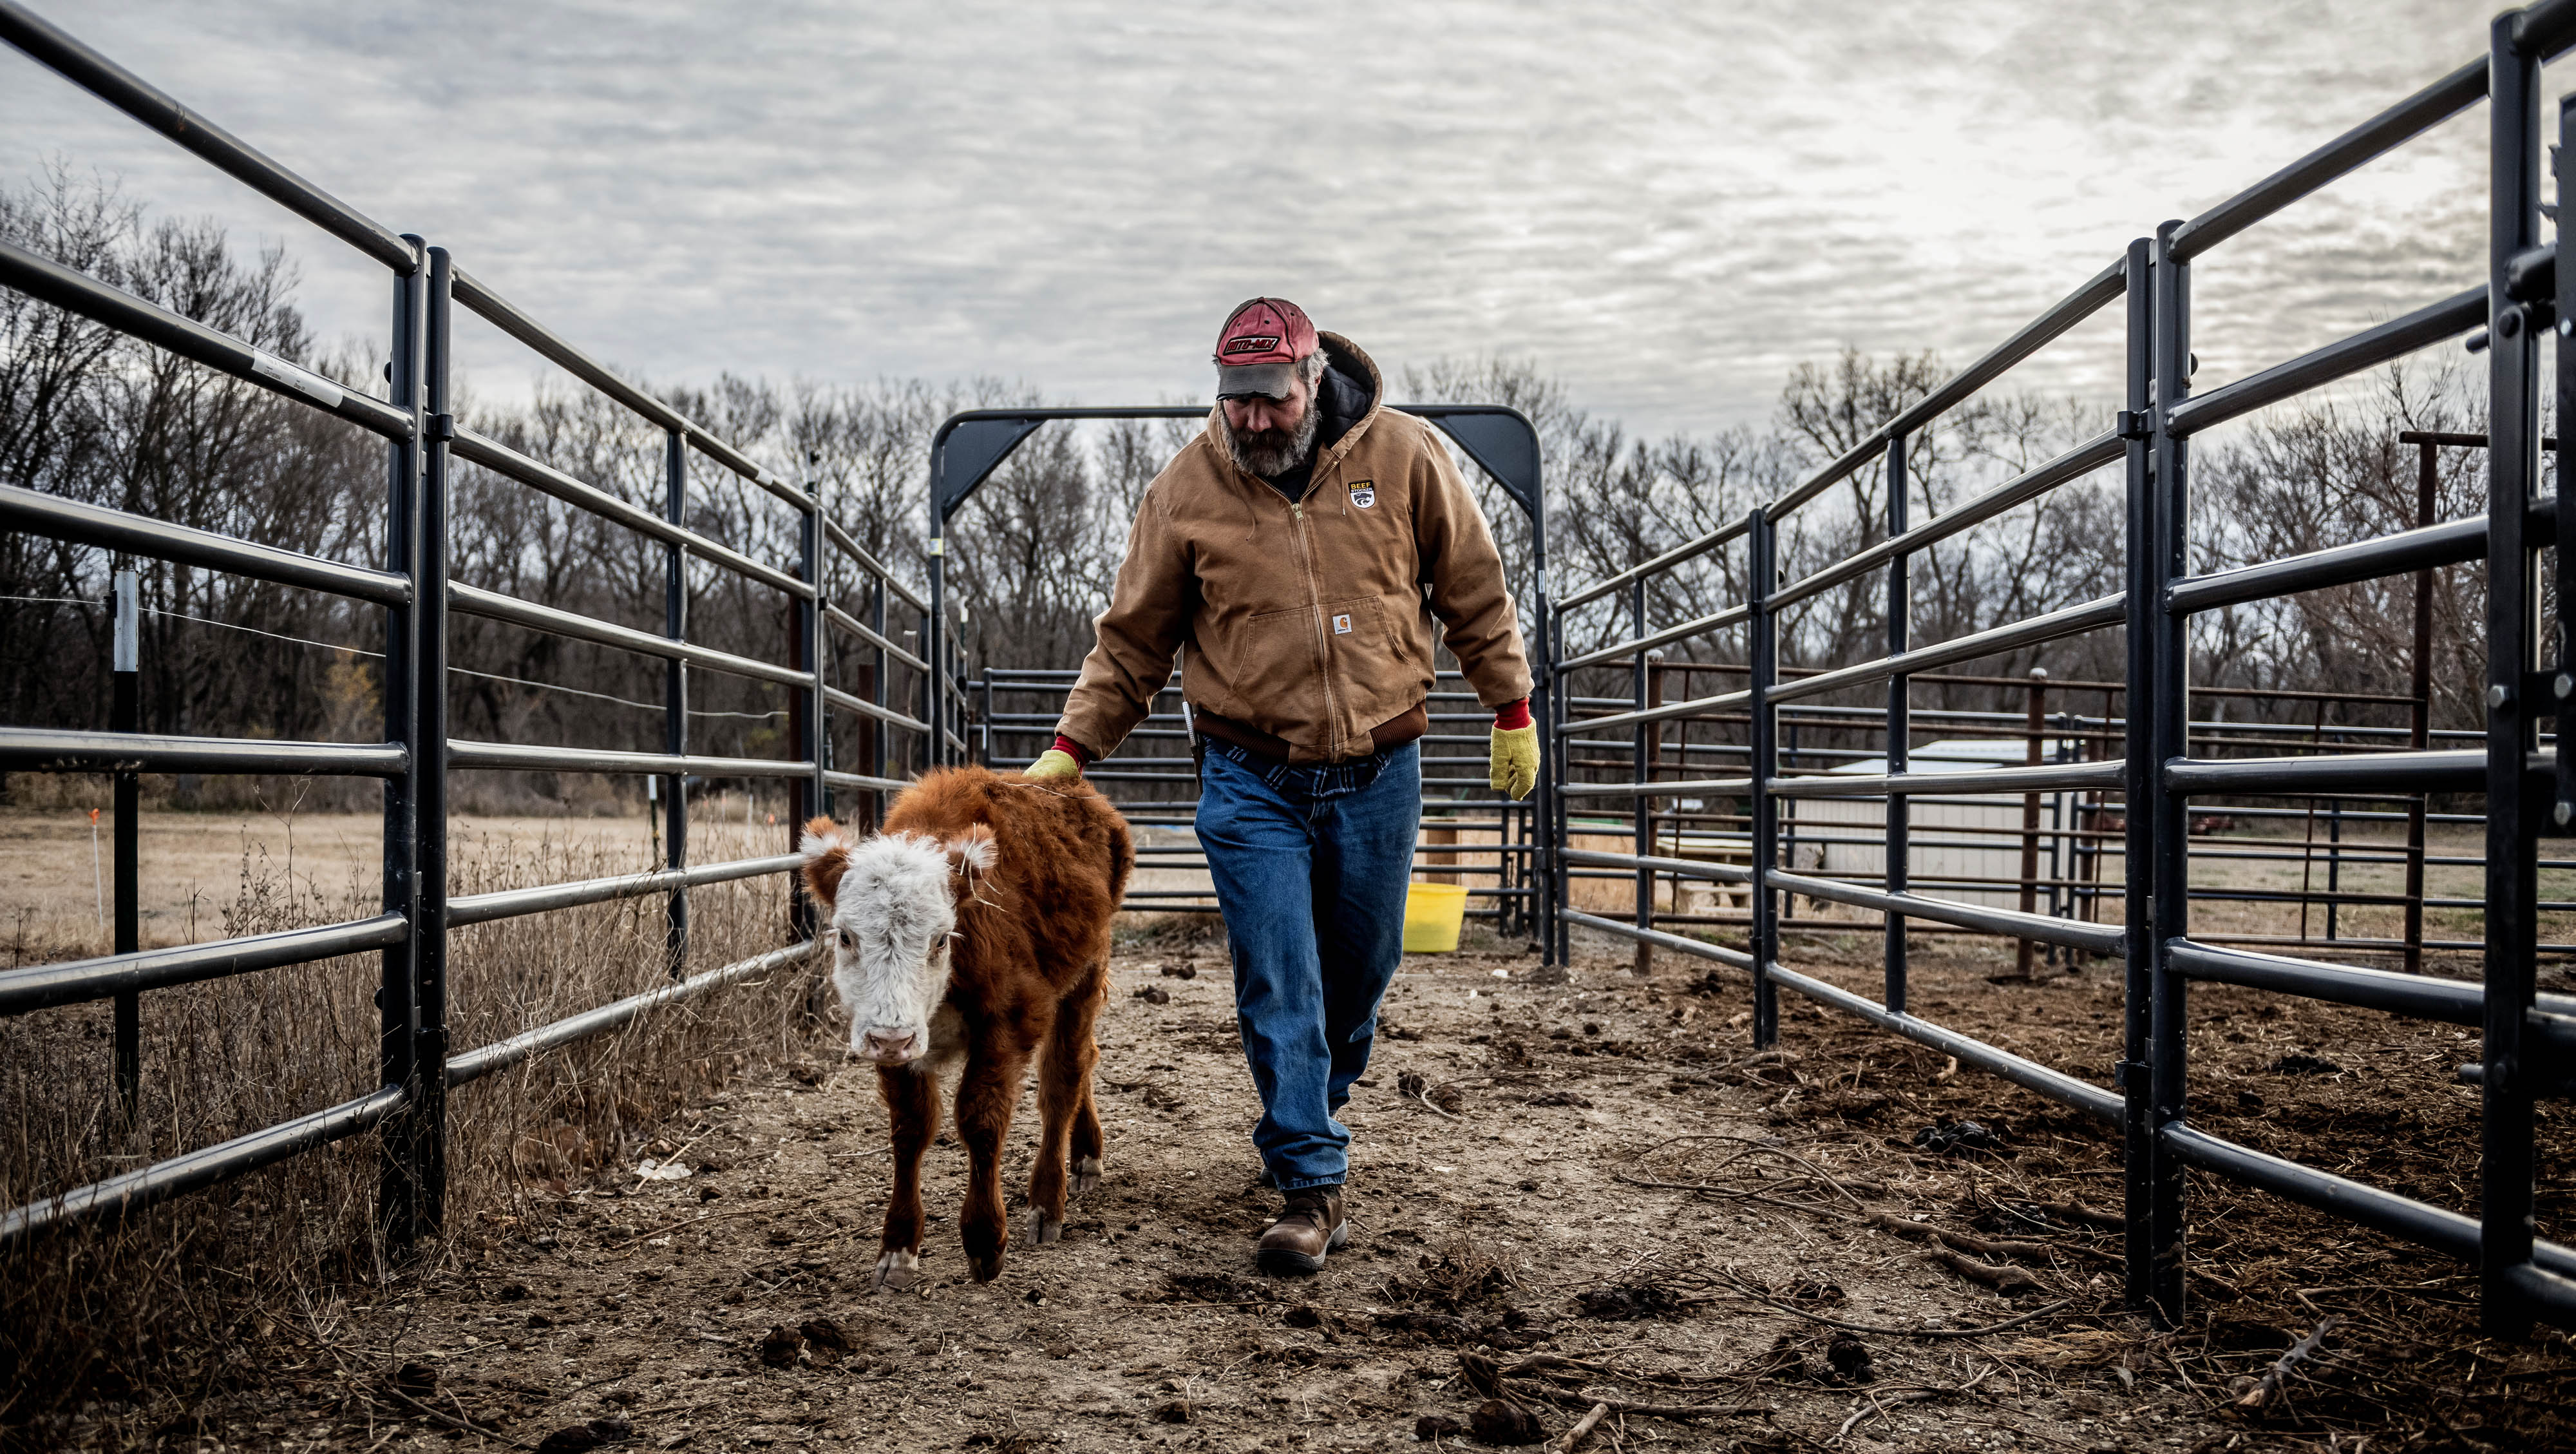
(493, 606)
(1657, 566)
(500, 1054)
(2011, 923)
(2392, 773)
(1661, 940)
(849, 546)
(501, 313)
(1679, 867)
(77, 981)
(486, 908)
(537, 474)
(2369, 348)
(45, 749)
(853, 626)
(120, 1196)
(2378, 136)
(533, 757)
(2422, 997)
(862, 782)
(1994, 641)
(2095, 293)
(1714, 621)
(2045, 778)
(851, 701)
(2083, 459)
(2028, 1074)
(38, 513)
(2444, 1231)
(1713, 786)
(41, 277)
(155, 108)
(1664, 713)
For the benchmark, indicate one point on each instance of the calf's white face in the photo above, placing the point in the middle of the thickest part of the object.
(890, 905)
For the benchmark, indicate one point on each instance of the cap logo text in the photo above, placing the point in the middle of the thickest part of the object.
(1256, 343)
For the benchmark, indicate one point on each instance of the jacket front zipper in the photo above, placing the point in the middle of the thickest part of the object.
(1315, 603)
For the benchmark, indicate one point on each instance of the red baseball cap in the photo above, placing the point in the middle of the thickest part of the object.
(1258, 349)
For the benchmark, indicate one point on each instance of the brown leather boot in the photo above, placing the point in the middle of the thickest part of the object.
(1311, 1226)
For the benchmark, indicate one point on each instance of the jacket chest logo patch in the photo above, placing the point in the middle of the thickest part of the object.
(1364, 494)
(1341, 626)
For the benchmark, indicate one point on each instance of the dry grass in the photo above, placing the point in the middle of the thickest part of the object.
(169, 1301)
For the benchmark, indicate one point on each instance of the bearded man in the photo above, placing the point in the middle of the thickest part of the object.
(1296, 554)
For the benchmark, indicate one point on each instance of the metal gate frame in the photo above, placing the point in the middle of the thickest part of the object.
(418, 1068)
(969, 446)
(2529, 1041)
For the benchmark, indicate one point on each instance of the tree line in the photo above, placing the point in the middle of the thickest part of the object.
(89, 414)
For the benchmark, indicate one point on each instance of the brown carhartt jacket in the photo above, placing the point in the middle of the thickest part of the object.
(1308, 622)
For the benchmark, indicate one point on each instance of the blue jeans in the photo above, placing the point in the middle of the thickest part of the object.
(1310, 866)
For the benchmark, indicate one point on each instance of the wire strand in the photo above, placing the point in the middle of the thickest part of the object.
(379, 656)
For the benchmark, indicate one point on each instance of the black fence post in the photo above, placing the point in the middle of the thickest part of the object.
(398, 1188)
(2169, 812)
(2512, 887)
(1900, 725)
(813, 650)
(125, 714)
(1556, 759)
(1640, 770)
(1763, 578)
(875, 727)
(429, 758)
(2138, 787)
(675, 700)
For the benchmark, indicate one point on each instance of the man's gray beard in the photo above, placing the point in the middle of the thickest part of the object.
(1277, 459)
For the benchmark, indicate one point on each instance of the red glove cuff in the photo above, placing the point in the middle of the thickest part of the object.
(1075, 750)
(1513, 716)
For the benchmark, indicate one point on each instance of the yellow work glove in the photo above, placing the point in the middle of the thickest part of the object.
(1515, 760)
(1052, 764)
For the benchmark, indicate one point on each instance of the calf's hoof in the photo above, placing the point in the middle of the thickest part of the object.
(984, 1247)
(1044, 1229)
(1086, 1173)
(898, 1271)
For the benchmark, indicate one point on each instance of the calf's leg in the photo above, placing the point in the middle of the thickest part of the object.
(1063, 1076)
(985, 1096)
(1087, 1140)
(912, 1109)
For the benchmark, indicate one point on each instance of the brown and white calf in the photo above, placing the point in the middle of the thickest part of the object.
(976, 925)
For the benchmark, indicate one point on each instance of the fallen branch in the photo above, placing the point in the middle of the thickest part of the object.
(1581, 1431)
(2001, 1276)
(2075, 1211)
(446, 1420)
(1983, 1247)
(1869, 1402)
(2276, 1378)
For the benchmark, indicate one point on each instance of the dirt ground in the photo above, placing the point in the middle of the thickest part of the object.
(1565, 1188)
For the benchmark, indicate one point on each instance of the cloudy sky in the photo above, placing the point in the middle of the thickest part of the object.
(1668, 206)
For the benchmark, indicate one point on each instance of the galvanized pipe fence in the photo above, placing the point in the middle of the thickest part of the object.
(843, 599)
(2144, 767)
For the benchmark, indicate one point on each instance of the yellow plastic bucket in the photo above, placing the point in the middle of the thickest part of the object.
(1432, 916)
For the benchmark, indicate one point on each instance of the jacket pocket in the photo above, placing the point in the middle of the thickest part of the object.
(1269, 664)
(1375, 675)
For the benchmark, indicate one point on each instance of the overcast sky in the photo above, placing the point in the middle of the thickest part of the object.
(1666, 206)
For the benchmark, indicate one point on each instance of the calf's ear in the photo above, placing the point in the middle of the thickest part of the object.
(827, 857)
(972, 851)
